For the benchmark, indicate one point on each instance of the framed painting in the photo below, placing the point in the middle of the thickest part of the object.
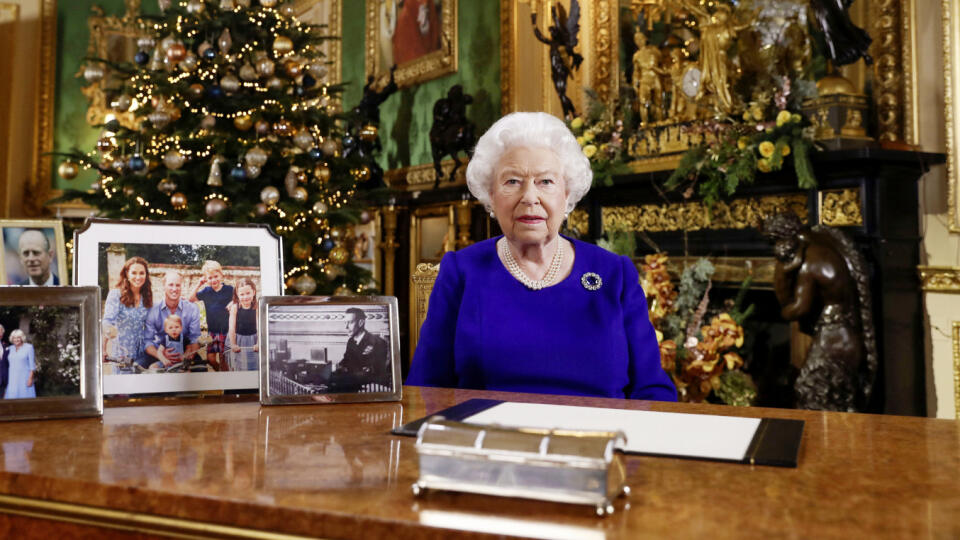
(321, 349)
(51, 343)
(33, 253)
(417, 36)
(179, 302)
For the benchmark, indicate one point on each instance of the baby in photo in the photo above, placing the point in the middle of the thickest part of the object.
(172, 337)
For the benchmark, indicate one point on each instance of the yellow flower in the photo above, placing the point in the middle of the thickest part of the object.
(742, 143)
(785, 150)
(763, 165)
(766, 149)
(581, 141)
(746, 116)
(589, 150)
(577, 123)
(795, 117)
(732, 360)
(757, 113)
(588, 136)
(783, 117)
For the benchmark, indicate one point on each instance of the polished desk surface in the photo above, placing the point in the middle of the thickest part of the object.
(335, 471)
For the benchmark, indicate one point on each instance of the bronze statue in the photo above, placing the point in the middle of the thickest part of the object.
(821, 281)
(563, 59)
(846, 42)
(368, 110)
(451, 132)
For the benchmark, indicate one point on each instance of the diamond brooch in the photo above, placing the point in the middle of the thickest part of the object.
(591, 281)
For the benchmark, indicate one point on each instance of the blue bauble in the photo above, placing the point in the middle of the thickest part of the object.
(327, 244)
(299, 91)
(136, 163)
(215, 92)
(308, 81)
(348, 141)
(237, 173)
(315, 154)
(209, 53)
(141, 58)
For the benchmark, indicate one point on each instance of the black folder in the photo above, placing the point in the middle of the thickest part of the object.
(776, 441)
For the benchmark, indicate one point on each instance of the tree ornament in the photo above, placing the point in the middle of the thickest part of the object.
(329, 147)
(301, 249)
(248, 73)
(195, 7)
(293, 68)
(260, 209)
(163, 4)
(173, 160)
(274, 83)
(159, 119)
(224, 42)
(68, 170)
(243, 3)
(226, 5)
(335, 234)
(230, 84)
(303, 139)
(305, 284)
(165, 44)
(256, 156)
(315, 154)
(320, 207)
(122, 103)
(327, 244)
(174, 113)
(339, 255)
(287, 10)
(322, 173)
(300, 194)
(156, 60)
(129, 191)
(190, 62)
(290, 180)
(270, 195)
(361, 173)
(243, 123)
(145, 43)
(113, 125)
(282, 45)
(214, 206)
(307, 81)
(118, 164)
(215, 178)
(141, 58)
(166, 186)
(203, 47)
(209, 54)
(265, 67)
(252, 171)
(331, 272)
(365, 217)
(176, 52)
(208, 122)
(106, 145)
(136, 163)
(215, 92)
(343, 290)
(238, 173)
(195, 91)
(282, 128)
(178, 201)
(268, 3)
(317, 70)
(262, 127)
(93, 73)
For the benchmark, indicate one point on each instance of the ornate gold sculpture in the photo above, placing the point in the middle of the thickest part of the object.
(694, 216)
(841, 208)
(939, 278)
(717, 32)
(111, 38)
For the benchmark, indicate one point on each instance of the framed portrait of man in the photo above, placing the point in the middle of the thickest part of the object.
(33, 253)
(327, 349)
(179, 302)
(417, 36)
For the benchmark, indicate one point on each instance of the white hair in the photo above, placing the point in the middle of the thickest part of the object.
(535, 130)
(18, 332)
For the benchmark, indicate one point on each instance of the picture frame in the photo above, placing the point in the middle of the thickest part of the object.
(60, 332)
(19, 267)
(209, 351)
(310, 352)
(432, 232)
(419, 37)
(363, 241)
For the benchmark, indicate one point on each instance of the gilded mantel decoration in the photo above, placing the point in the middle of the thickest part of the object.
(943, 279)
(951, 98)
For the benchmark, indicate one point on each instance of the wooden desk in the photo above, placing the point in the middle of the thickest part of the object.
(234, 469)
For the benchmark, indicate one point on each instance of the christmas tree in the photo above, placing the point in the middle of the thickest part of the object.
(223, 115)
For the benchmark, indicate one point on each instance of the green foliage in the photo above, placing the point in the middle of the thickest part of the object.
(54, 332)
(693, 283)
(619, 242)
(736, 388)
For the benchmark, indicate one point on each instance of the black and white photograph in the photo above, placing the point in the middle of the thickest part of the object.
(48, 364)
(33, 253)
(329, 349)
(180, 313)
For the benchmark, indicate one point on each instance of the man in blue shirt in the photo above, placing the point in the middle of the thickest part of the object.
(172, 304)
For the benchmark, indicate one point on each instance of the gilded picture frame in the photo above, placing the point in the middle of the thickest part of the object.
(16, 267)
(951, 98)
(420, 38)
(956, 369)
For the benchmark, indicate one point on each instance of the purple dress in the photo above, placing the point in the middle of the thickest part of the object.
(485, 330)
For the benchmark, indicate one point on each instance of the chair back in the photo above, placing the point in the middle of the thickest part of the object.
(421, 285)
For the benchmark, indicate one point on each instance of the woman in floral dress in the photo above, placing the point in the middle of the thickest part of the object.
(126, 310)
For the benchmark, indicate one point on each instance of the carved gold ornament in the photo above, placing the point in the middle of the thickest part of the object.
(944, 279)
(841, 208)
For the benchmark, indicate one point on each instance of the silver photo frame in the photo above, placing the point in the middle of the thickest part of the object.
(203, 359)
(56, 372)
(329, 349)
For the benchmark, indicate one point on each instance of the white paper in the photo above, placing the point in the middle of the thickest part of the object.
(648, 432)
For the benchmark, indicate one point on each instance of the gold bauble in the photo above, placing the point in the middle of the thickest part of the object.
(368, 133)
(339, 255)
(105, 145)
(343, 290)
(282, 128)
(195, 90)
(293, 68)
(282, 45)
(305, 284)
(301, 250)
(361, 173)
(166, 186)
(270, 195)
(129, 191)
(176, 52)
(301, 177)
(268, 3)
(322, 173)
(243, 123)
(320, 207)
(178, 201)
(68, 170)
(300, 194)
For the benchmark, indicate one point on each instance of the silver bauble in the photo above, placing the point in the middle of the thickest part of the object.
(303, 139)
(165, 44)
(215, 206)
(248, 73)
(195, 7)
(224, 42)
(320, 207)
(159, 119)
(166, 186)
(208, 122)
(305, 284)
(252, 171)
(329, 146)
(173, 160)
(122, 103)
(93, 73)
(256, 156)
(230, 84)
(275, 83)
(265, 67)
(317, 70)
(189, 63)
(146, 43)
(270, 195)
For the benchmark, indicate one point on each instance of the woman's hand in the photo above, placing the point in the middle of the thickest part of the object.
(30, 380)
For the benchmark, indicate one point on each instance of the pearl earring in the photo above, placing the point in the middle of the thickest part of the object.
(492, 214)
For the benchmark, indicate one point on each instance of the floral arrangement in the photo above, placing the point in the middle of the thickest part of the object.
(601, 135)
(703, 359)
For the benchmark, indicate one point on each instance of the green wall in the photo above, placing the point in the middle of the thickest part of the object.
(406, 117)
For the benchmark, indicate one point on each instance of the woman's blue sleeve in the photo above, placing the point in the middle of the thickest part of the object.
(648, 380)
(433, 362)
(31, 358)
(111, 308)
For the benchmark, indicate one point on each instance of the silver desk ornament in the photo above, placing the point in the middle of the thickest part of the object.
(580, 467)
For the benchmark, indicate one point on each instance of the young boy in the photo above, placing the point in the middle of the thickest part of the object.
(172, 336)
(216, 296)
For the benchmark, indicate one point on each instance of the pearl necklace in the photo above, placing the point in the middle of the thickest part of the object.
(515, 271)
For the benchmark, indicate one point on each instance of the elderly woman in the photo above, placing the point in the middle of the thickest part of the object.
(23, 368)
(532, 310)
(126, 310)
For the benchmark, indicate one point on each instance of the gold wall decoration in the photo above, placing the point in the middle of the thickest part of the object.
(944, 279)
(694, 216)
(38, 188)
(9, 17)
(951, 98)
(956, 368)
(894, 81)
(422, 177)
(578, 221)
(421, 284)
(111, 38)
(385, 27)
(841, 208)
(328, 13)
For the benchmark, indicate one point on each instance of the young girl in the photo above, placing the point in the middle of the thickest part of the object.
(243, 325)
(216, 296)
